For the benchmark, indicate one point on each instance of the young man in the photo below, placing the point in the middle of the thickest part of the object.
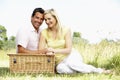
(27, 39)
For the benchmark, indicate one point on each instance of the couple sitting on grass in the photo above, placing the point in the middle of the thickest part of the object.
(54, 40)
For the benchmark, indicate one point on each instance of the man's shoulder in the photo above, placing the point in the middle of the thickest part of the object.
(24, 31)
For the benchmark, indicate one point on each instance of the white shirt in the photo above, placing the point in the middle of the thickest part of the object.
(28, 37)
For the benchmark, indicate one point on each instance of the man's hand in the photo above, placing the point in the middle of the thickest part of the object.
(43, 51)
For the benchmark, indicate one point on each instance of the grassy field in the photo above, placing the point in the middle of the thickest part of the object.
(106, 55)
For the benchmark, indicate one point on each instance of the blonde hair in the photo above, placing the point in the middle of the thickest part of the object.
(58, 24)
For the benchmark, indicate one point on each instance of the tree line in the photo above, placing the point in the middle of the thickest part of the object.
(5, 42)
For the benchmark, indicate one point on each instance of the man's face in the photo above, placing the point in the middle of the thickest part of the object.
(37, 20)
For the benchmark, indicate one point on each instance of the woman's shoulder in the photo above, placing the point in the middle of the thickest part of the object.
(44, 32)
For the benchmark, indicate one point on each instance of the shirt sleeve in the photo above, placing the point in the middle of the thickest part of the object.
(22, 38)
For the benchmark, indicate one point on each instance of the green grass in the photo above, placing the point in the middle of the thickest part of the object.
(100, 55)
(6, 75)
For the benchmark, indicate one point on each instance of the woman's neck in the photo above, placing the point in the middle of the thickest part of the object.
(53, 32)
(53, 29)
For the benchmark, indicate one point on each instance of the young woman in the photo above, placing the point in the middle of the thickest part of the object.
(57, 39)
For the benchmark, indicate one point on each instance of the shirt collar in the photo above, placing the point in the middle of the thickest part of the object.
(33, 29)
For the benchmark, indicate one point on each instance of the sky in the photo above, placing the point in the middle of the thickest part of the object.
(94, 19)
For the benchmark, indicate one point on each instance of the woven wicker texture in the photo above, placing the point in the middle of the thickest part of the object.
(31, 63)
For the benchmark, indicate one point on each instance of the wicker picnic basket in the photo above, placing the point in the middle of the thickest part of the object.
(31, 63)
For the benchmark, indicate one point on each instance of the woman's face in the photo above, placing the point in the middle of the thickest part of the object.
(50, 20)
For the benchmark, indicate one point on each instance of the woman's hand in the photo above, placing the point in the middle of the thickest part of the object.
(50, 53)
(51, 50)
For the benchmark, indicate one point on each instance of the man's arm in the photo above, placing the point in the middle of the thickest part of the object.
(24, 50)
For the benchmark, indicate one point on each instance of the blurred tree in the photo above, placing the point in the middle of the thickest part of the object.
(12, 38)
(77, 34)
(3, 35)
